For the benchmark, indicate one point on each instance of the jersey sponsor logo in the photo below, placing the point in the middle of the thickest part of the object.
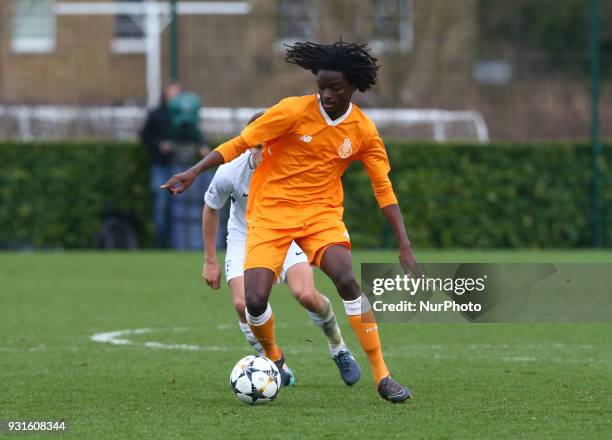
(299, 253)
(346, 149)
(306, 138)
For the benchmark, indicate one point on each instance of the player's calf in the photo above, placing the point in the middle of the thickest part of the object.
(262, 327)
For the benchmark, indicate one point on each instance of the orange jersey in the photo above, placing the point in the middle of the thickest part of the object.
(298, 181)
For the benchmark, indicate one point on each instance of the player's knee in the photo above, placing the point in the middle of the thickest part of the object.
(347, 285)
(306, 296)
(256, 302)
(240, 306)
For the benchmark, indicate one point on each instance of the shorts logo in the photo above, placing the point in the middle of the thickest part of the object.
(346, 149)
(306, 138)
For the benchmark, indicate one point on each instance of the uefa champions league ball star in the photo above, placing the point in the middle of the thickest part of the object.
(255, 380)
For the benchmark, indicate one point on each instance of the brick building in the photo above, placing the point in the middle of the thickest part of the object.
(427, 49)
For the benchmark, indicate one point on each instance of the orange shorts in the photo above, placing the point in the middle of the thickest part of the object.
(267, 248)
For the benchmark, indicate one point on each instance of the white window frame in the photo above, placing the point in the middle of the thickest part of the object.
(21, 45)
(312, 23)
(122, 45)
(405, 42)
(129, 45)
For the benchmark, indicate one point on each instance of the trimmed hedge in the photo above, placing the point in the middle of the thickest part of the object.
(495, 196)
(55, 194)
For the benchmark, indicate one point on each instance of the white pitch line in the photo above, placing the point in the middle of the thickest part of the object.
(182, 346)
(518, 359)
(118, 337)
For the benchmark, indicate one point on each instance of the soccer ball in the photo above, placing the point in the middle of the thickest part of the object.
(255, 380)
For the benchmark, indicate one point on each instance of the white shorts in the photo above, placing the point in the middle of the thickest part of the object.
(234, 259)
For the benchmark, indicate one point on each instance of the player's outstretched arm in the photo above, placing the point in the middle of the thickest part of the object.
(211, 273)
(406, 258)
(181, 181)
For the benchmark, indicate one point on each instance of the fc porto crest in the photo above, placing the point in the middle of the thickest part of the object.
(346, 149)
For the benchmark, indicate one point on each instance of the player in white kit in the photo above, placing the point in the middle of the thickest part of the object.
(232, 181)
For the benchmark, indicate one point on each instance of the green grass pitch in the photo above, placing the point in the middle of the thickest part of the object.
(469, 380)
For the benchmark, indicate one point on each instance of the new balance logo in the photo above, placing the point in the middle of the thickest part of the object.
(306, 138)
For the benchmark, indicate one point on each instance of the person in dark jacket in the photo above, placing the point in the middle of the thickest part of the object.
(157, 137)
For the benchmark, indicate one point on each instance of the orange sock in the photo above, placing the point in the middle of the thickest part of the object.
(264, 333)
(364, 326)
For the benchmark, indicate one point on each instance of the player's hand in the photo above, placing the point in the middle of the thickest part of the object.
(211, 274)
(408, 262)
(179, 182)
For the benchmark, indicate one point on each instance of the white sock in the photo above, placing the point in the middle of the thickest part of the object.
(326, 321)
(357, 306)
(250, 337)
(261, 319)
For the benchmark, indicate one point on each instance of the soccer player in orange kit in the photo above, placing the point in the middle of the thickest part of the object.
(296, 192)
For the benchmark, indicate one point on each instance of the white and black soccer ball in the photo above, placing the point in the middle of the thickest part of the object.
(255, 380)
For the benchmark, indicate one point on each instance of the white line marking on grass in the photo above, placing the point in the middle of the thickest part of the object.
(41, 347)
(182, 347)
(118, 337)
(519, 358)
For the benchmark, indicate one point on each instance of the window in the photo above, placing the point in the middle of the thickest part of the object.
(129, 36)
(33, 26)
(296, 20)
(392, 26)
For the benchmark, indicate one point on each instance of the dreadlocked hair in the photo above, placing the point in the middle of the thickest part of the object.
(354, 61)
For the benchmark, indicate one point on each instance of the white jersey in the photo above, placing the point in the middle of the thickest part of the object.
(232, 180)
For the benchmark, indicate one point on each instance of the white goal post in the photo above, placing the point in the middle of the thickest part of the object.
(61, 122)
